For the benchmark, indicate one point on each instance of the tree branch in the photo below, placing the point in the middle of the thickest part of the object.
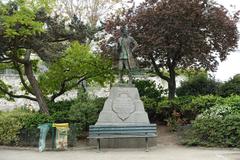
(27, 56)
(19, 60)
(160, 74)
(5, 60)
(63, 86)
(17, 96)
(22, 78)
(59, 40)
(80, 80)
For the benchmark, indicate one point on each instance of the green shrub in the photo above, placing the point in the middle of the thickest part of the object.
(198, 105)
(60, 106)
(10, 126)
(85, 112)
(80, 112)
(12, 122)
(158, 112)
(33, 119)
(151, 106)
(149, 89)
(198, 85)
(231, 87)
(60, 117)
(161, 111)
(187, 107)
(217, 126)
(59, 111)
(233, 101)
(16, 124)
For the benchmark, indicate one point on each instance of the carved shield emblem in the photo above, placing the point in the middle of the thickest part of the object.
(123, 106)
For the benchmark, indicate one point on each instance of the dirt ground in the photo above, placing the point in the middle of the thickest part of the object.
(167, 149)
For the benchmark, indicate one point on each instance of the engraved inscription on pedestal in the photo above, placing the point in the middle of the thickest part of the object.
(123, 106)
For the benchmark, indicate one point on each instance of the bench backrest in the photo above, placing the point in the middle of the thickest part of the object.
(122, 129)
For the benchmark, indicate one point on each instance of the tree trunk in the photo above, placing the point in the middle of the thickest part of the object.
(172, 84)
(36, 89)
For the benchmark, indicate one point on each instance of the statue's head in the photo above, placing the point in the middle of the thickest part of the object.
(124, 31)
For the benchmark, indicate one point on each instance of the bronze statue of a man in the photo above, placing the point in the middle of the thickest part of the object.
(125, 47)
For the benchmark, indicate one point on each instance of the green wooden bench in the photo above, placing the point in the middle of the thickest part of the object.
(122, 131)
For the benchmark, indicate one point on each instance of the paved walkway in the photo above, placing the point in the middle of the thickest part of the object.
(167, 149)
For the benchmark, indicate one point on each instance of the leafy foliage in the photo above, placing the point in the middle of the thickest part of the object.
(217, 126)
(60, 106)
(19, 19)
(151, 106)
(181, 35)
(59, 111)
(86, 112)
(10, 127)
(12, 122)
(148, 88)
(202, 85)
(78, 64)
(182, 109)
(6, 87)
(231, 87)
(80, 113)
(198, 85)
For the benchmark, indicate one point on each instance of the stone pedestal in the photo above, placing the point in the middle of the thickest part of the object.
(123, 107)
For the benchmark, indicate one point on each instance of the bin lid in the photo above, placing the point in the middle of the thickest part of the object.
(60, 125)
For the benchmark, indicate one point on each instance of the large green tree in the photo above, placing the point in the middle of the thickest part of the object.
(20, 25)
(180, 34)
(27, 30)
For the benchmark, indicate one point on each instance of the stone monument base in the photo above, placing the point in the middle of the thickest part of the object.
(123, 107)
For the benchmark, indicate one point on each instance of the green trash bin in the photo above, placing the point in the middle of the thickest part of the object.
(44, 128)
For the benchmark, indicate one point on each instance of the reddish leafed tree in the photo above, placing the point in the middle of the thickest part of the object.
(181, 34)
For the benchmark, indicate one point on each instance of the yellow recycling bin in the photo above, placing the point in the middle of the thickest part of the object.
(61, 139)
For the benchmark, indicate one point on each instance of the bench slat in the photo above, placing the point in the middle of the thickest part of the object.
(121, 136)
(121, 126)
(120, 129)
(125, 132)
(122, 132)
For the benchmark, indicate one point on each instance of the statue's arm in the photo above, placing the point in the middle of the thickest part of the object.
(134, 43)
(118, 46)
